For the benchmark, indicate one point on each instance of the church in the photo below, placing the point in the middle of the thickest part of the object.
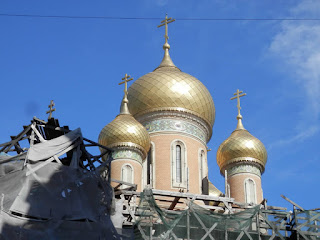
(159, 138)
(151, 180)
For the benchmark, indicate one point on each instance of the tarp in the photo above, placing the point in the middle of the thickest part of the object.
(25, 229)
(48, 200)
(56, 146)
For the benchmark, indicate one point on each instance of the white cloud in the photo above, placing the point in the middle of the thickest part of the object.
(299, 137)
(297, 46)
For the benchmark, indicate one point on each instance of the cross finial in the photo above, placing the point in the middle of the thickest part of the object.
(50, 109)
(238, 95)
(125, 81)
(165, 23)
(124, 105)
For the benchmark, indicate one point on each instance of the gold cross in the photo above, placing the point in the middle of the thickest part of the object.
(126, 79)
(238, 95)
(165, 23)
(50, 109)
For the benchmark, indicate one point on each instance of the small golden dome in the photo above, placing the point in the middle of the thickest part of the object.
(125, 130)
(241, 146)
(169, 89)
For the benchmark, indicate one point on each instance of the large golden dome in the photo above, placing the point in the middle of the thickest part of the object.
(169, 89)
(124, 130)
(241, 146)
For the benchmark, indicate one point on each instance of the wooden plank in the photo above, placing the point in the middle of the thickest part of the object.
(292, 202)
(57, 159)
(37, 133)
(212, 207)
(124, 183)
(240, 235)
(276, 208)
(116, 187)
(189, 195)
(308, 221)
(275, 230)
(201, 223)
(178, 194)
(227, 206)
(304, 236)
(17, 147)
(144, 236)
(97, 144)
(274, 212)
(246, 232)
(311, 233)
(174, 203)
(11, 143)
(209, 231)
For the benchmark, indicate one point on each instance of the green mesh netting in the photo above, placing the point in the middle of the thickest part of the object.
(155, 223)
(307, 223)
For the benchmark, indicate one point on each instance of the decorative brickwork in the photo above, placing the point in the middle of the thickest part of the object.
(244, 168)
(126, 154)
(179, 126)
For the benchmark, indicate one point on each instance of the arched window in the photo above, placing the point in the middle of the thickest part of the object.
(250, 191)
(228, 190)
(178, 164)
(127, 173)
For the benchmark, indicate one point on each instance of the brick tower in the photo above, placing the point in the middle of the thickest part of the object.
(243, 157)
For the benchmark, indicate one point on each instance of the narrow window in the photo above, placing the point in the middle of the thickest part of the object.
(178, 164)
(202, 165)
(250, 191)
(150, 166)
(127, 174)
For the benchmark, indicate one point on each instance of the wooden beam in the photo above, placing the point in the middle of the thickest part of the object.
(13, 142)
(124, 183)
(276, 208)
(292, 202)
(189, 195)
(174, 203)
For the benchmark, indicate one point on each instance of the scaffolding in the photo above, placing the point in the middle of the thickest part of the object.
(193, 216)
(151, 214)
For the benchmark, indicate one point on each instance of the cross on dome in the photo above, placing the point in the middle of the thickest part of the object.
(238, 95)
(51, 109)
(126, 79)
(165, 23)
(166, 61)
(124, 106)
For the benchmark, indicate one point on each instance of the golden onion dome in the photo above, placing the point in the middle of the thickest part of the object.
(167, 88)
(241, 146)
(125, 131)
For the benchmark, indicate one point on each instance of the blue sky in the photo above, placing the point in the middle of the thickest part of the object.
(79, 62)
